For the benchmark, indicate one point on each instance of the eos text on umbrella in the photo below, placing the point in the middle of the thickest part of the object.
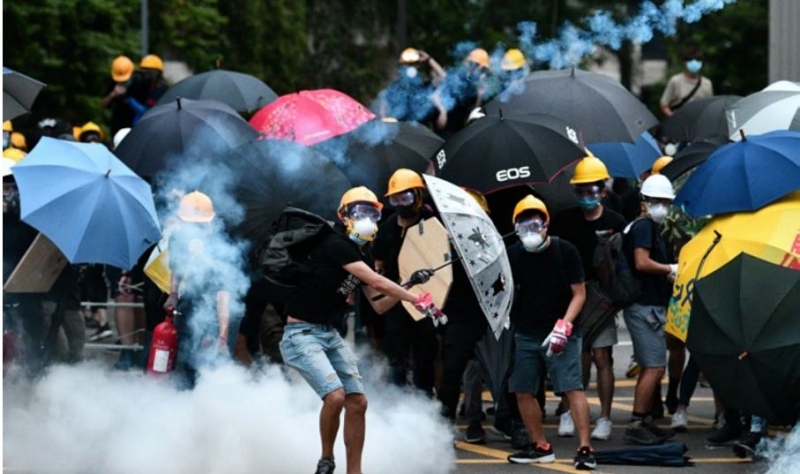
(513, 173)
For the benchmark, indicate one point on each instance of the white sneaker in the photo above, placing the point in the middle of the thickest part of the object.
(603, 429)
(679, 421)
(566, 427)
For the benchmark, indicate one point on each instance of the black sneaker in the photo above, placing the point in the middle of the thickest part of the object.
(325, 466)
(503, 427)
(475, 434)
(638, 433)
(533, 454)
(729, 433)
(519, 436)
(662, 433)
(102, 332)
(671, 403)
(746, 446)
(584, 459)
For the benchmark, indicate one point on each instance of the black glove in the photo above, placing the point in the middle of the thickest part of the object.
(420, 277)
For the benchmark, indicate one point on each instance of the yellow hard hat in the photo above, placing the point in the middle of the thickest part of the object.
(590, 170)
(530, 203)
(404, 179)
(479, 56)
(7, 127)
(196, 207)
(479, 198)
(660, 163)
(357, 194)
(121, 69)
(151, 61)
(17, 140)
(409, 56)
(512, 60)
(90, 127)
(14, 154)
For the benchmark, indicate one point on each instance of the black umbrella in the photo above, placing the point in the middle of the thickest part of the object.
(182, 131)
(595, 105)
(242, 92)
(273, 174)
(501, 150)
(19, 92)
(371, 153)
(700, 120)
(691, 157)
(744, 333)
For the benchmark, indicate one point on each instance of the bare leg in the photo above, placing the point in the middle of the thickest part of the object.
(579, 408)
(332, 406)
(645, 388)
(124, 318)
(605, 380)
(532, 417)
(355, 410)
(586, 368)
(99, 315)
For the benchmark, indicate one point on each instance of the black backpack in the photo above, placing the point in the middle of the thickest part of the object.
(615, 271)
(286, 258)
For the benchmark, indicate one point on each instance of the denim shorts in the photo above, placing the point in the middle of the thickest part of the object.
(530, 360)
(646, 327)
(321, 356)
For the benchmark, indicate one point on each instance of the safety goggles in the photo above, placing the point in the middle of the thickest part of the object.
(533, 225)
(406, 198)
(364, 211)
(587, 191)
(653, 201)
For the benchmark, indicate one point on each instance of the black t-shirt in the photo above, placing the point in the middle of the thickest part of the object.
(655, 288)
(542, 283)
(571, 225)
(322, 298)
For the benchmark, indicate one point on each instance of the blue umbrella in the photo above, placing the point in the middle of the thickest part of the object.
(627, 160)
(744, 176)
(92, 206)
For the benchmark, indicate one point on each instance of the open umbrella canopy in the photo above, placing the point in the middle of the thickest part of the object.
(744, 176)
(241, 92)
(19, 92)
(691, 157)
(501, 150)
(181, 131)
(371, 153)
(771, 234)
(744, 334)
(627, 160)
(274, 174)
(700, 119)
(92, 206)
(597, 106)
(309, 117)
(771, 109)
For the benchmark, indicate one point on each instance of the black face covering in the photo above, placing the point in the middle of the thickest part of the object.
(406, 212)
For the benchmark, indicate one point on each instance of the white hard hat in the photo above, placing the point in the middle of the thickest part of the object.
(658, 186)
(120, 135)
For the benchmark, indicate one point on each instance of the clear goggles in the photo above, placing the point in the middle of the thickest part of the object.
(364, 211)
(587, 191)
(531, 225)
(406, 198)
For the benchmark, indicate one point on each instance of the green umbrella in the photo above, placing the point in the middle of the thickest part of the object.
(744, 332)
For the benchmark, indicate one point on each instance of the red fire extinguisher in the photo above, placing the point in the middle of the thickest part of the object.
(164, 346)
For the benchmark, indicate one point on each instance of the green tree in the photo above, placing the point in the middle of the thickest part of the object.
(191, 30)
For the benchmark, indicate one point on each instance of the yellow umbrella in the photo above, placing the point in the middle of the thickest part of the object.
(771, 233)
(157, 267)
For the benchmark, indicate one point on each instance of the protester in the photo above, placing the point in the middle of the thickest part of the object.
(584, 227)
(408, 97)
(461, 92)
(340, 263)
(404, 335)
(686, 86)
(122, 114)
(645, 319)
(90, 132)
(548, 275)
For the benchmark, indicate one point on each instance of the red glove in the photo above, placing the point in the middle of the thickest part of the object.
(557, 340)
(424, 304)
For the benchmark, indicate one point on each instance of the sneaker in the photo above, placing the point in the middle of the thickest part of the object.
(519, 435)
(90, 323)
(584, 459)
(679, 421)
(746, 446)
(566, 427)
(638, 433)
(603, 429)
(533, 454)
(657, 430)
(504, 428)
(633, 370)
(475, 434)
(125, 361)
(102, 332)
(325, 466)
(729, 433)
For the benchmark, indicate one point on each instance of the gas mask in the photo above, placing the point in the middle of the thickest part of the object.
(657, 211)
(405, 204)
(531, 234)
(694, 65)
(411, 72)
(362, 223)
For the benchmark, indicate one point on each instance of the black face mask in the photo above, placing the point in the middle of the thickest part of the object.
(406, 212)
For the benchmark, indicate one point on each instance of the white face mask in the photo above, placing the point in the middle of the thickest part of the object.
(364, 229)
(657, 212)
(412, 72)
(533, 242)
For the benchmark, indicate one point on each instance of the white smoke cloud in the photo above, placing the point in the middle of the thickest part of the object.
(783, 453)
